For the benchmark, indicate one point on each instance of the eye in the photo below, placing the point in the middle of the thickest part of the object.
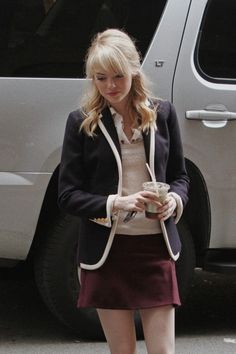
(100, 78)
(119, 76)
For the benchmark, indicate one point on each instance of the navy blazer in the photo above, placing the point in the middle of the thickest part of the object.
(91, 170)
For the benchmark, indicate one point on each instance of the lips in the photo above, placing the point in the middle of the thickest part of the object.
(112, 93)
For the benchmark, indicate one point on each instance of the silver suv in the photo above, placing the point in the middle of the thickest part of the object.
(189, 52)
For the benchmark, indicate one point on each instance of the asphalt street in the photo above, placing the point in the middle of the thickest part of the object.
(206, 323)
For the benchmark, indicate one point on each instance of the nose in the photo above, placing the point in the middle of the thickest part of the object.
(111, 83)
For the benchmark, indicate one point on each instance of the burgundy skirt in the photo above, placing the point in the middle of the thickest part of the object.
(137, 274)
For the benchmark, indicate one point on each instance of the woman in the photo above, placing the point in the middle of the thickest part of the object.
(126, 259)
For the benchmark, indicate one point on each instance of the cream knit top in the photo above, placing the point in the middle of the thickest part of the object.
(134, 174)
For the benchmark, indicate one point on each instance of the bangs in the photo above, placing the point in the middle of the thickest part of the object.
(107, 59)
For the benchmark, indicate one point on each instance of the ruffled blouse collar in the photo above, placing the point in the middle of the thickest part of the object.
(118, 121)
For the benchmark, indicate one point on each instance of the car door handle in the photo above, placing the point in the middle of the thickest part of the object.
(211, 113)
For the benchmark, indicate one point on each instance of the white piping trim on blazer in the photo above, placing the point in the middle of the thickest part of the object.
(164, 231)
(152, 151)
(152, 167)
(113, 229)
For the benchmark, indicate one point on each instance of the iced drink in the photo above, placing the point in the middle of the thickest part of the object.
(161, 189)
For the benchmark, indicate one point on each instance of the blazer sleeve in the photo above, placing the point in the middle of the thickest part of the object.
(72, 195)
(176, 174)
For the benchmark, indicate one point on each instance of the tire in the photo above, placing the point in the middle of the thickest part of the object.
(57, 279)
(186, 263)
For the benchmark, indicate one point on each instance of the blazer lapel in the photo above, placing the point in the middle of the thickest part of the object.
(149, 146)
(108, 122)
(146, 142)
(107, 126)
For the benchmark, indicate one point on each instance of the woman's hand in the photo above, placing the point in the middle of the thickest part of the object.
(167, 208)
(136, 201)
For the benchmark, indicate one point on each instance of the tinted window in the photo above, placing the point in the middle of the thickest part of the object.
(217, 41)
(49, 38)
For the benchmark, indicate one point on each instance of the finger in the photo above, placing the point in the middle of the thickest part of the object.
(166, 214)
(168, 200)
(163, 209)
(137, 207)
(165, 218)
(149, 196)
(146, 200)
(140, 205)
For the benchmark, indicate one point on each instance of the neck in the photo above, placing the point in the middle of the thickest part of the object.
(121, 109)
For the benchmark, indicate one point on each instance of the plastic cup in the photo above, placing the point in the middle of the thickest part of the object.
(161, 189)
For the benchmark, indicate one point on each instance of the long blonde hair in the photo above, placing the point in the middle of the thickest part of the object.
(115, 51)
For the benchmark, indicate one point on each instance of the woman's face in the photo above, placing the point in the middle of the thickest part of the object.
(113, 87)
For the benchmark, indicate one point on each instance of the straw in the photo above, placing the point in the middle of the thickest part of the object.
(153, 178)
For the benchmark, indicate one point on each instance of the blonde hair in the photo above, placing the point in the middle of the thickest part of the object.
(113, 50)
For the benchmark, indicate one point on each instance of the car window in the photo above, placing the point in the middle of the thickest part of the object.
(49, 38)
(216, 50)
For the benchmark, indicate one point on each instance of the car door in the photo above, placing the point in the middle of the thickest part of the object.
(204, 92)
